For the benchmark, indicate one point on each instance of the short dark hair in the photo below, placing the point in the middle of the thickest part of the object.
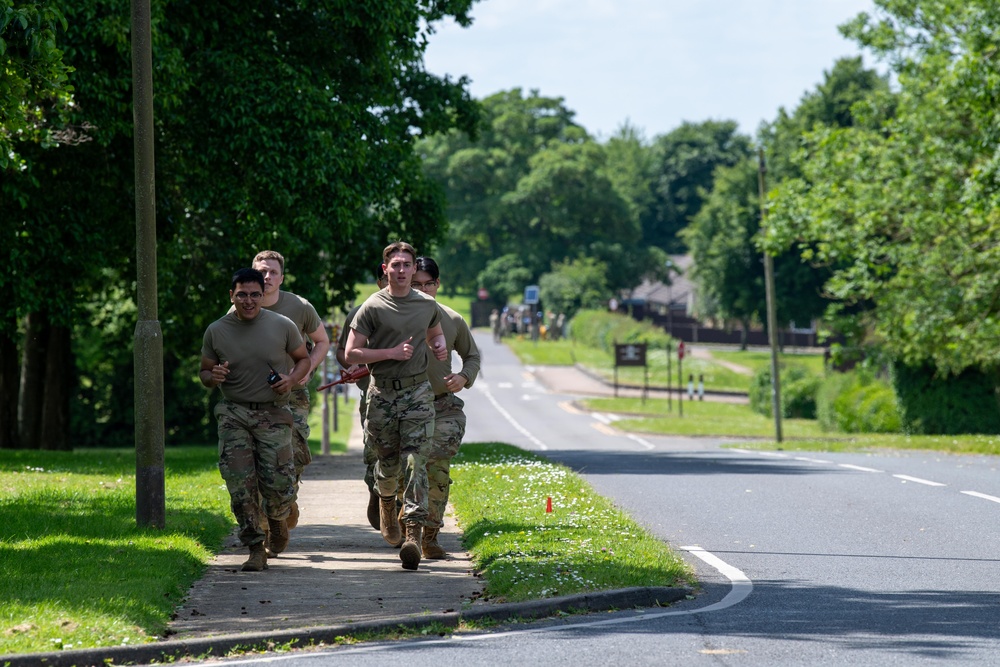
(428, 265)
(398, 246)
(248, 275)
(379, 272)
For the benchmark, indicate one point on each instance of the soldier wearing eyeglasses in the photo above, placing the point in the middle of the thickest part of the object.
(255, 357)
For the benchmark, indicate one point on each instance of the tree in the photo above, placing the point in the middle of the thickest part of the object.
(34, 89)
(685, 160)
(288, 126)
(907, 211)
(575, 285)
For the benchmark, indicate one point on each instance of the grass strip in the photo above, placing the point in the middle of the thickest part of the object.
(701, 418)
(715, 375)
(707, 418)
(76, 570)
(584, 544)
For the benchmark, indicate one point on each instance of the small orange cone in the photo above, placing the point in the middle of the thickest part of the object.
(548, 504)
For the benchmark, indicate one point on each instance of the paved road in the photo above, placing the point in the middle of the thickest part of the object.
(805, 559)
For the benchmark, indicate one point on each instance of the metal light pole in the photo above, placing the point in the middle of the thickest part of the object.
(149, 432)
(772, 317)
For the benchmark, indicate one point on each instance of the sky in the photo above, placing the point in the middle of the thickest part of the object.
(652, 63)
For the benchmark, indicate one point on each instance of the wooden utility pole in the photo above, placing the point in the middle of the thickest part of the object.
(772, 317)
(150, 503)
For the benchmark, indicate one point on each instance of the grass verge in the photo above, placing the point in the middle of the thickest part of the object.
(76, 570)
(706, 418)
(716, 377)
(584, 544)
(701, 418)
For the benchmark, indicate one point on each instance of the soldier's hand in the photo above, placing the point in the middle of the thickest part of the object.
(455, 382)
(404, 350)
(440, 350)
(219, 372)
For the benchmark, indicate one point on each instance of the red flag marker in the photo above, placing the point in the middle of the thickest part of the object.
(548, 504)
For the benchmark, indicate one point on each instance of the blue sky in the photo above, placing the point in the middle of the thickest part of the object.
(655, 63)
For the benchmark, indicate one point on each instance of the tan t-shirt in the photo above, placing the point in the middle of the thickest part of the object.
(249, 346)
(387, 321)
(459, 338)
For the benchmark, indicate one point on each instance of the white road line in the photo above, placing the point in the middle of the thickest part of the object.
(976, 494)
(773, 455)
(809, 460)
(641, 441)
(907, 478)
(513, 422)
(861, 468)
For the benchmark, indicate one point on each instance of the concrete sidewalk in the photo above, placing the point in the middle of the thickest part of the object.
(337, 568)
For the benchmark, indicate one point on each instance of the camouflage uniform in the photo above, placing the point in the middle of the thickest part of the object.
(255, 430)
(399, 413)
(255, 459)
(449, 429)
(398, 430)
(298, 403)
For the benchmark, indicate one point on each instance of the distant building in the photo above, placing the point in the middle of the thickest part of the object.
(657, 298)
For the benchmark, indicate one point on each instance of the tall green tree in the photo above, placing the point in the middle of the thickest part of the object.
(685, 160)
(289, 126)
(909, 210)
(722, 236)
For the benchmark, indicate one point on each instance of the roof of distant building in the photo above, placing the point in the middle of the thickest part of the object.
(678, 292)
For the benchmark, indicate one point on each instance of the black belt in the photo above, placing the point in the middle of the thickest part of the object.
(400, 383)
(253, 406)
(438, 397)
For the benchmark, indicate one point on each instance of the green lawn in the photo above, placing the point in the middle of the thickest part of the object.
(501, 496)
(706, 418)
(715, 376)
(77, 572)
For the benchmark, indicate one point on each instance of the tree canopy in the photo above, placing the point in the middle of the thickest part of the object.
(289, 127)
(906, 212)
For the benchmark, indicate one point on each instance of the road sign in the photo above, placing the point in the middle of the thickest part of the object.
(630, 355)
(531, 295)
(680, 350)
(483, 294)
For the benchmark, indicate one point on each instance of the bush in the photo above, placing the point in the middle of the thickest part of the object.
(602, 329)
(857, 402)
(931, 405)
(798, 392)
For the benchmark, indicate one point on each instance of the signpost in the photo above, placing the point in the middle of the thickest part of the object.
(632, 354)
(680, 379)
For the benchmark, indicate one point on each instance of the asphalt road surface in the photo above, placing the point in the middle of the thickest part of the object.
(804, 559)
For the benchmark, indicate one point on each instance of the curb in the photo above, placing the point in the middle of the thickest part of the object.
(222, 645)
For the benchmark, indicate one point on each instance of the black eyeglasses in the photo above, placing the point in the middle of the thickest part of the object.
(422, 286)
(252, 296)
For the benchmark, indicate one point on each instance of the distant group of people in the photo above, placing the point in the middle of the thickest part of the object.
(519, 321)
(264, 350)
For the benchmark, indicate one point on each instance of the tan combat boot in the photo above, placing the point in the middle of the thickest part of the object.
(410, 553)
(278, 535)
(293, 516)
(257, 560)
(429, 544)
(389, 521)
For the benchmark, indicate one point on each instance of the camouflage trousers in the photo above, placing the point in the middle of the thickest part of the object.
(256, 462)
(298, 403)
(449, 429)
(398, 429)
